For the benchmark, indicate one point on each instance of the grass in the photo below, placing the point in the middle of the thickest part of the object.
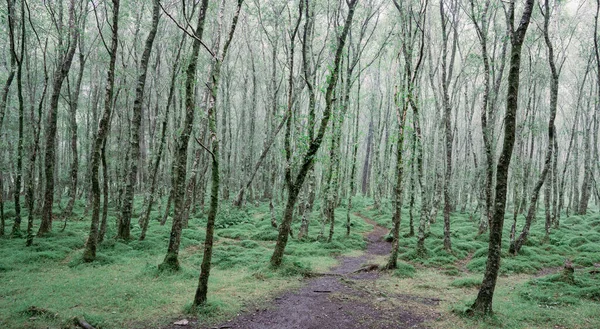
(522, 300)
(123, 288)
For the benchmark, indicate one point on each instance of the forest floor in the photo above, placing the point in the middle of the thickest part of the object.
(346, 297)
(319, 284)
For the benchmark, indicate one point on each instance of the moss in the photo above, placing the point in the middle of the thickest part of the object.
(404, 270)
(589, 247)
(577, 241)
(466, 283)
(249, 244)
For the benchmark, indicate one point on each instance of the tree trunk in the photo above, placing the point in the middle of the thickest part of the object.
(202, 290)
(73, 105)
(89, 254)
(50, 133)
(483, 303)
(123, 231)
(294, 184)
(171, 261)
(148, 202)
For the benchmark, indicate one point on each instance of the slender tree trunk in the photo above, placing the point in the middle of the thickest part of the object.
(17, 222)
(33, 156)
(294, 184)
(89, 254)
(171, 261)
(73, 105)
(397, 217)
(202, 290)
(145, 216)
(123, 231)
(483, 303)
(50, 133)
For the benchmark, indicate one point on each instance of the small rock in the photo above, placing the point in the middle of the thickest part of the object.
(183, 322)
(380, 299)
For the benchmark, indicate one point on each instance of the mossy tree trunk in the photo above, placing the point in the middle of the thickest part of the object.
(201, 292)
(60, 74)
(19, 167)
(294, 184)
(123, 231)
(149, 199)
(179, 168)
(91, 244)
(483, 303)
(516, 247)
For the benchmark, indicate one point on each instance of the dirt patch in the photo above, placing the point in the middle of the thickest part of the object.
(345, 300)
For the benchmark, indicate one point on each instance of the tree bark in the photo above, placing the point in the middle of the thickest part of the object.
(171, 261)
(123, 231)
(483, 303)
(50, 133)
(89, 255)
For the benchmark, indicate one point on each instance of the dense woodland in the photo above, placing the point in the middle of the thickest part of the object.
(124, 117)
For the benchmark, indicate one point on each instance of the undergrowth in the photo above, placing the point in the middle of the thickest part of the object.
(124, 288)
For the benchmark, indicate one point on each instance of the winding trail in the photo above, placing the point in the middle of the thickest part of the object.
(340, 301)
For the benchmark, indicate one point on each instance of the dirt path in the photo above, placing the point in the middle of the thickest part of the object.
(344, 301)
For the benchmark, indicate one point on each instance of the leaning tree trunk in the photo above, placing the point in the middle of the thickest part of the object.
(123, 231)
(89, 254)
(483, 303)
(294, 184)
(50, 133)
(171, 261)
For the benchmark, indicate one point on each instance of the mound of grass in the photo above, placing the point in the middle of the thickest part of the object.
(404, 270)
(552, 290)
(466, 283)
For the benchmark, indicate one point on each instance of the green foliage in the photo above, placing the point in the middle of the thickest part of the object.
(124, 288)
(404, 270)
(552, 290)
(466, 283)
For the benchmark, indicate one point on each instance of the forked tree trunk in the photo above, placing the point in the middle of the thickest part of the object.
(50, 133)
(89, 254)
(171, 261)
(483, 303)
(123, 231)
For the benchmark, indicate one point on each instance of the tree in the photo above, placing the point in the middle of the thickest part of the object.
(123, 230)
(213, 84)
(483, 303)
(294, 184)
(62, 69)
(179, 169)
(555, 73)
(91, 244)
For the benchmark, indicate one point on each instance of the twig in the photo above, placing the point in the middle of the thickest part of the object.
(188, 33)
(206, 148)
(80, 321)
